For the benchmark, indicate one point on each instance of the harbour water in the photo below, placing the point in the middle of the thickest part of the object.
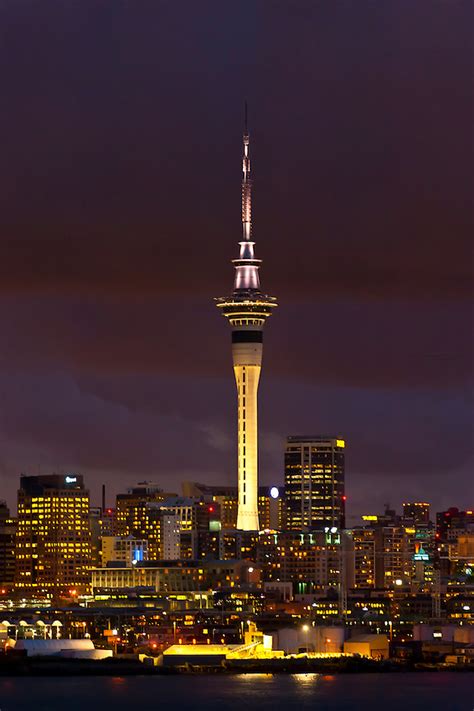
(424, 691)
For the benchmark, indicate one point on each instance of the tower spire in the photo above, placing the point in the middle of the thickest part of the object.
(246, 185)
(246, 266)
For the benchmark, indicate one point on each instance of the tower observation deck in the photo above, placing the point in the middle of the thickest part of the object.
(247, 309)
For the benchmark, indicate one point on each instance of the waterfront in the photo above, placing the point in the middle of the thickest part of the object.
(390, 692)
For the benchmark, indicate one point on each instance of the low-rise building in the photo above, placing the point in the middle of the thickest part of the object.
(127, 550)
(375, 646)
(182, 576)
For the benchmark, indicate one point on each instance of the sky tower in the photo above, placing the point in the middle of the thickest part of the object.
(247, 310)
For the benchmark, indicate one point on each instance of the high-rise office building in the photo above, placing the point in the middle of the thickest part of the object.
(53, 542)
(186, 526)
(224, 496)
(102, 523)
(108, 522)
(269, 503)
(170, 536)
(393, 557)
(247, 309)
(95, 513)
(130, 508)
(417, 512)
(7, 549)
(362, 556)
(135, 516)
(314, 483)
(269, 508)
(312, 561)
(452, 523)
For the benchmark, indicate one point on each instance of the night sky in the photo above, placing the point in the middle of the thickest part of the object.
(120, 178)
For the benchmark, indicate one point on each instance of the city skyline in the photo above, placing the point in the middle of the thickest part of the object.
(121, 215)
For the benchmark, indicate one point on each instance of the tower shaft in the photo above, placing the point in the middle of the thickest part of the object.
(247, 359)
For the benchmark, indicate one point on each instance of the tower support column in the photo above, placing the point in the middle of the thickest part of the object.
(247, 359)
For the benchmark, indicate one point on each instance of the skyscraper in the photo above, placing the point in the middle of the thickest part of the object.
(53, 542)
(314, 482)
(247, 309)
(134, 517)
(7, 549)
(418, 512)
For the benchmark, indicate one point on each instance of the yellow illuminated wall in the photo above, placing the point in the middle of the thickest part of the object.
(247, 358)
(53, 543)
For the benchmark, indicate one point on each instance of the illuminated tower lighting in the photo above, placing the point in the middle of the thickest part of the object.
(247, 310)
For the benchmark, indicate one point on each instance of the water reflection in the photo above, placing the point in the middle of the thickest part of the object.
(306, 679)
(246, 692)
(255, 677)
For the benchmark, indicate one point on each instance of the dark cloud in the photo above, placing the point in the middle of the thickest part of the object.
(120, 214)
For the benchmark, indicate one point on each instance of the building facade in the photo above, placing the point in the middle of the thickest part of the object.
(312, 561)
(53, 541)
(417, 512)
(226, 497)
(129, 551)
(362, 557)
(314, 483)
(174, 576)
(135, 515)
(7, 549)
(269, 503)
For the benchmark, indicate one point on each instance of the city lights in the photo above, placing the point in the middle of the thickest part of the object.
(221, 572)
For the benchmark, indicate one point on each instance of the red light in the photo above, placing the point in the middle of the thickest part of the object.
(211, 509)
(344, 498)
